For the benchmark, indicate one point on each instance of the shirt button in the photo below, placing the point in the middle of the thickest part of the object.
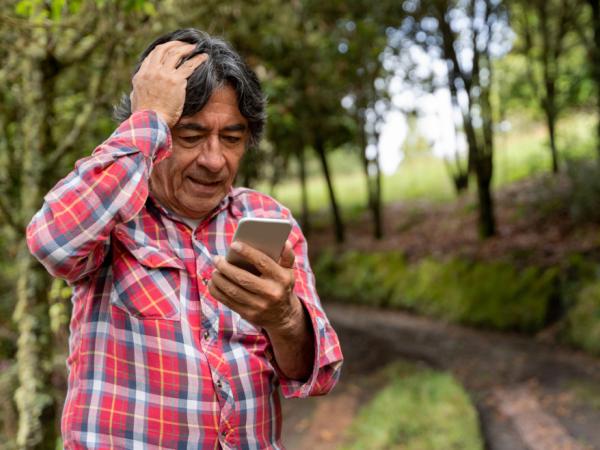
(220, 385)
(206, 335)
(205, 281)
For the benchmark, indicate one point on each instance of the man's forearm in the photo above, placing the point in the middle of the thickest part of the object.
(109, 186)
(293, 344)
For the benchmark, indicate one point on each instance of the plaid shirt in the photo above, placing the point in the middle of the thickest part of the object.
(155, 361)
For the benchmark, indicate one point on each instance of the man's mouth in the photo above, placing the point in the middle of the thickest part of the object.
(204, 187)
(205, 182)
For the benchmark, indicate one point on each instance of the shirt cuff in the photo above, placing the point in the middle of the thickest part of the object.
(325, 372)
(148, 133)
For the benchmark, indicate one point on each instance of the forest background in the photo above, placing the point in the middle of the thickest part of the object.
(492, 224)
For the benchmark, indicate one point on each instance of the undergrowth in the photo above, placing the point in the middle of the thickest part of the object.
(419, 409)
(496, 294)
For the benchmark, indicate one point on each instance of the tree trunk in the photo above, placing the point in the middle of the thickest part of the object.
(375, 196)
(595, 57)
(339, 225)
(34, 400)
(37, 411)
(487, 221)
(377, 213)
(460, 176)
(549, 60)
(372, 183)
(551, 123)
(305, 213)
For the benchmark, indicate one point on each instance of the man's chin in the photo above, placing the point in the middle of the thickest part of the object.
(197, 208)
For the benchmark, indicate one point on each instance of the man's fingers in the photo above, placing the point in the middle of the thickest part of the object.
(218, 294)
(156, 56)
(168, 49)
(188, 67)
(231, 294)
(287, 256)
(173, 56)
(243, 278)
(263, 263)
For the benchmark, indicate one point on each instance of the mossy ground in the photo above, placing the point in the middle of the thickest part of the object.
(492, 294)
(418, 409)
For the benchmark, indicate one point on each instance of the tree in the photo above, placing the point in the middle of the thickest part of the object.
(464, 34)
(546, 31)
(363, 46)
(60, 63)
(592, 44)
(595, 59)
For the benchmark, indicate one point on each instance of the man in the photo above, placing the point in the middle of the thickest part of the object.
(171, 346)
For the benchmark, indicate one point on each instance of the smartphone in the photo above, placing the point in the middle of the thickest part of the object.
(265, 235)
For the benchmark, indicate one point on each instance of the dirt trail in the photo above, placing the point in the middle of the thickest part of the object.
(498, 370)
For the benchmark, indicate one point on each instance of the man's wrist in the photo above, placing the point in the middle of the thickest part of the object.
(294, 324)
(164, 118)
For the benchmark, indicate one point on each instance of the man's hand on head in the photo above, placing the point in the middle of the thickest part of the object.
(160, 83)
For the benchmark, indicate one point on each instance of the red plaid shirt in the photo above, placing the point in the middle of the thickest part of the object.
(155, 361)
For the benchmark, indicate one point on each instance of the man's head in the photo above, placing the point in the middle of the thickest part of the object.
(223, 114)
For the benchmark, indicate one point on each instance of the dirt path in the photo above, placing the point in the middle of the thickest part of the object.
(528, 393)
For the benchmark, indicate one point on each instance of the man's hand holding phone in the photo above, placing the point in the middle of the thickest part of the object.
(265, 299)
(264, 293)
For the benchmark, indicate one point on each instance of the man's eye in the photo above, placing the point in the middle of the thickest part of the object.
(190, 139)
(231, 139)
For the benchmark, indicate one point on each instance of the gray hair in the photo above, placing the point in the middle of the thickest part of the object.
(223, 67)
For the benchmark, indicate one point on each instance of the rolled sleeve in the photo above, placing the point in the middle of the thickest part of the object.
(328, 353)
(327, 362)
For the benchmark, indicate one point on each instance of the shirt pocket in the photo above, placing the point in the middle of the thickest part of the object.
(146, 280)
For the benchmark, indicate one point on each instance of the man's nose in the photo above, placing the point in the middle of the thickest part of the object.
(211, 156)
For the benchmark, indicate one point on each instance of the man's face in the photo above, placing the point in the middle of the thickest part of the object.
(207, 149)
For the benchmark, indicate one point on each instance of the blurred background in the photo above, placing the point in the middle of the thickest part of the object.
(443, 158)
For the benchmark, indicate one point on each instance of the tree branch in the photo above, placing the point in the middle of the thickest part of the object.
(24, 23)
(78, 52)
(82, 118)
(6, 215)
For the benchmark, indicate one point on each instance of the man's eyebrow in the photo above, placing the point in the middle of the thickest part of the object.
(236, 127)
(200, 127)
(191, 126)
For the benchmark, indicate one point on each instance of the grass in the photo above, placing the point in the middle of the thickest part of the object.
(586, 392)
(418, 177)
(519, 153)
(418, 409)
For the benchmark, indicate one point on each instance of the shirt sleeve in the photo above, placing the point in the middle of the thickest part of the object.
(328, 354)
(70, 234)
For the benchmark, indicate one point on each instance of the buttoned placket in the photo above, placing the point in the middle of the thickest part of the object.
(209, 338)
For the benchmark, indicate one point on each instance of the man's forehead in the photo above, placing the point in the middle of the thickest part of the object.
(221, 108)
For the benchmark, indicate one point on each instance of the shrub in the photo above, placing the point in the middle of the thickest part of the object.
(494, 294)
(575, 194)
(584, 195)
(583, 319)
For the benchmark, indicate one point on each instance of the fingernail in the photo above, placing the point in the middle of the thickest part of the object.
(216, 259)
(236, 246)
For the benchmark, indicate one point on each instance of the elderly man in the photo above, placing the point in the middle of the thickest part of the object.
(171, 346)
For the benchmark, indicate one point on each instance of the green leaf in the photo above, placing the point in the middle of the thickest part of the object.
(56, 8)
(24, 8)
